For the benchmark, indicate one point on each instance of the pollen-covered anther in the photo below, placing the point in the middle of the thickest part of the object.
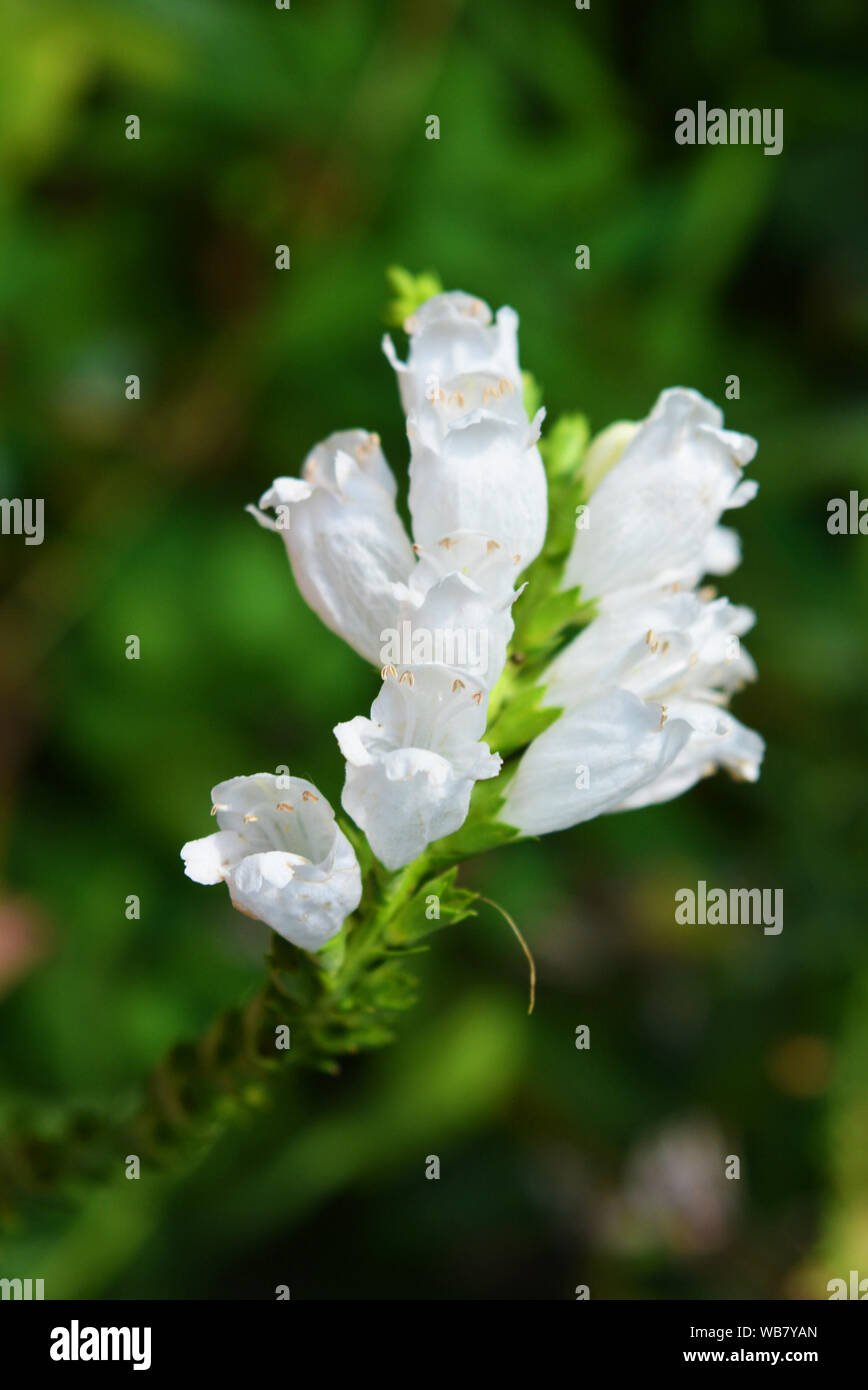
(407, 678)
(372, 442)
(218, 806)
(388, 671)
(245, 820)
(284, 806)
(309, 796)
(492, 546)
(457, 399)
(446, 542)
(651, 639)
(664, 715)
(505, 385)
(477, 698)
(457, 685)
(741, 772)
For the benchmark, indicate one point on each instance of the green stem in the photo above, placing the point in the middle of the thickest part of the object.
(199, 1087)
(365, 941)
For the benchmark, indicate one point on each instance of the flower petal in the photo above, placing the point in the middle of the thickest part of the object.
(210, 859)
(346, 543)
(729, 745)
(485, 474)
(282, 856)
(589, 761)
(452, 335)
(412, 765)
(650, 516)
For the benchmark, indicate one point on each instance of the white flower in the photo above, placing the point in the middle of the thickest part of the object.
(590, 760)
(346, 543)
(481, 472)
(476, 555)
(456, 609)
(667, 666)
(412, 765)
(474, 464)
(452, 335)
(658, 492)
(282, 856)
(669, 644)
(716, 740)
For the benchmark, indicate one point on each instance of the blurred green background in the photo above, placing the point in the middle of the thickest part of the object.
(156, 257)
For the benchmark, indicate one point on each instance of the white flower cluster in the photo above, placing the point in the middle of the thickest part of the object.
(479, 508)
(641, 688)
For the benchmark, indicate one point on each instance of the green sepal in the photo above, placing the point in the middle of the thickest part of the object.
(482, 830)
(519, 721)
(391, 987)
(454, 904)
(359, 842)
(549, 618)
(409, 292)
(563, 447)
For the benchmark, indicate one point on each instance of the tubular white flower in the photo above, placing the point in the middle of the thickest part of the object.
(717, 740)
(676, 655)
(282, 856)
(452, 335)
(453, 625)
(456, 609)
(474, 464)
(661, 489)
(412, 765)
(670, 644)
(346, 543)
(590, 760)
(479, 472)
